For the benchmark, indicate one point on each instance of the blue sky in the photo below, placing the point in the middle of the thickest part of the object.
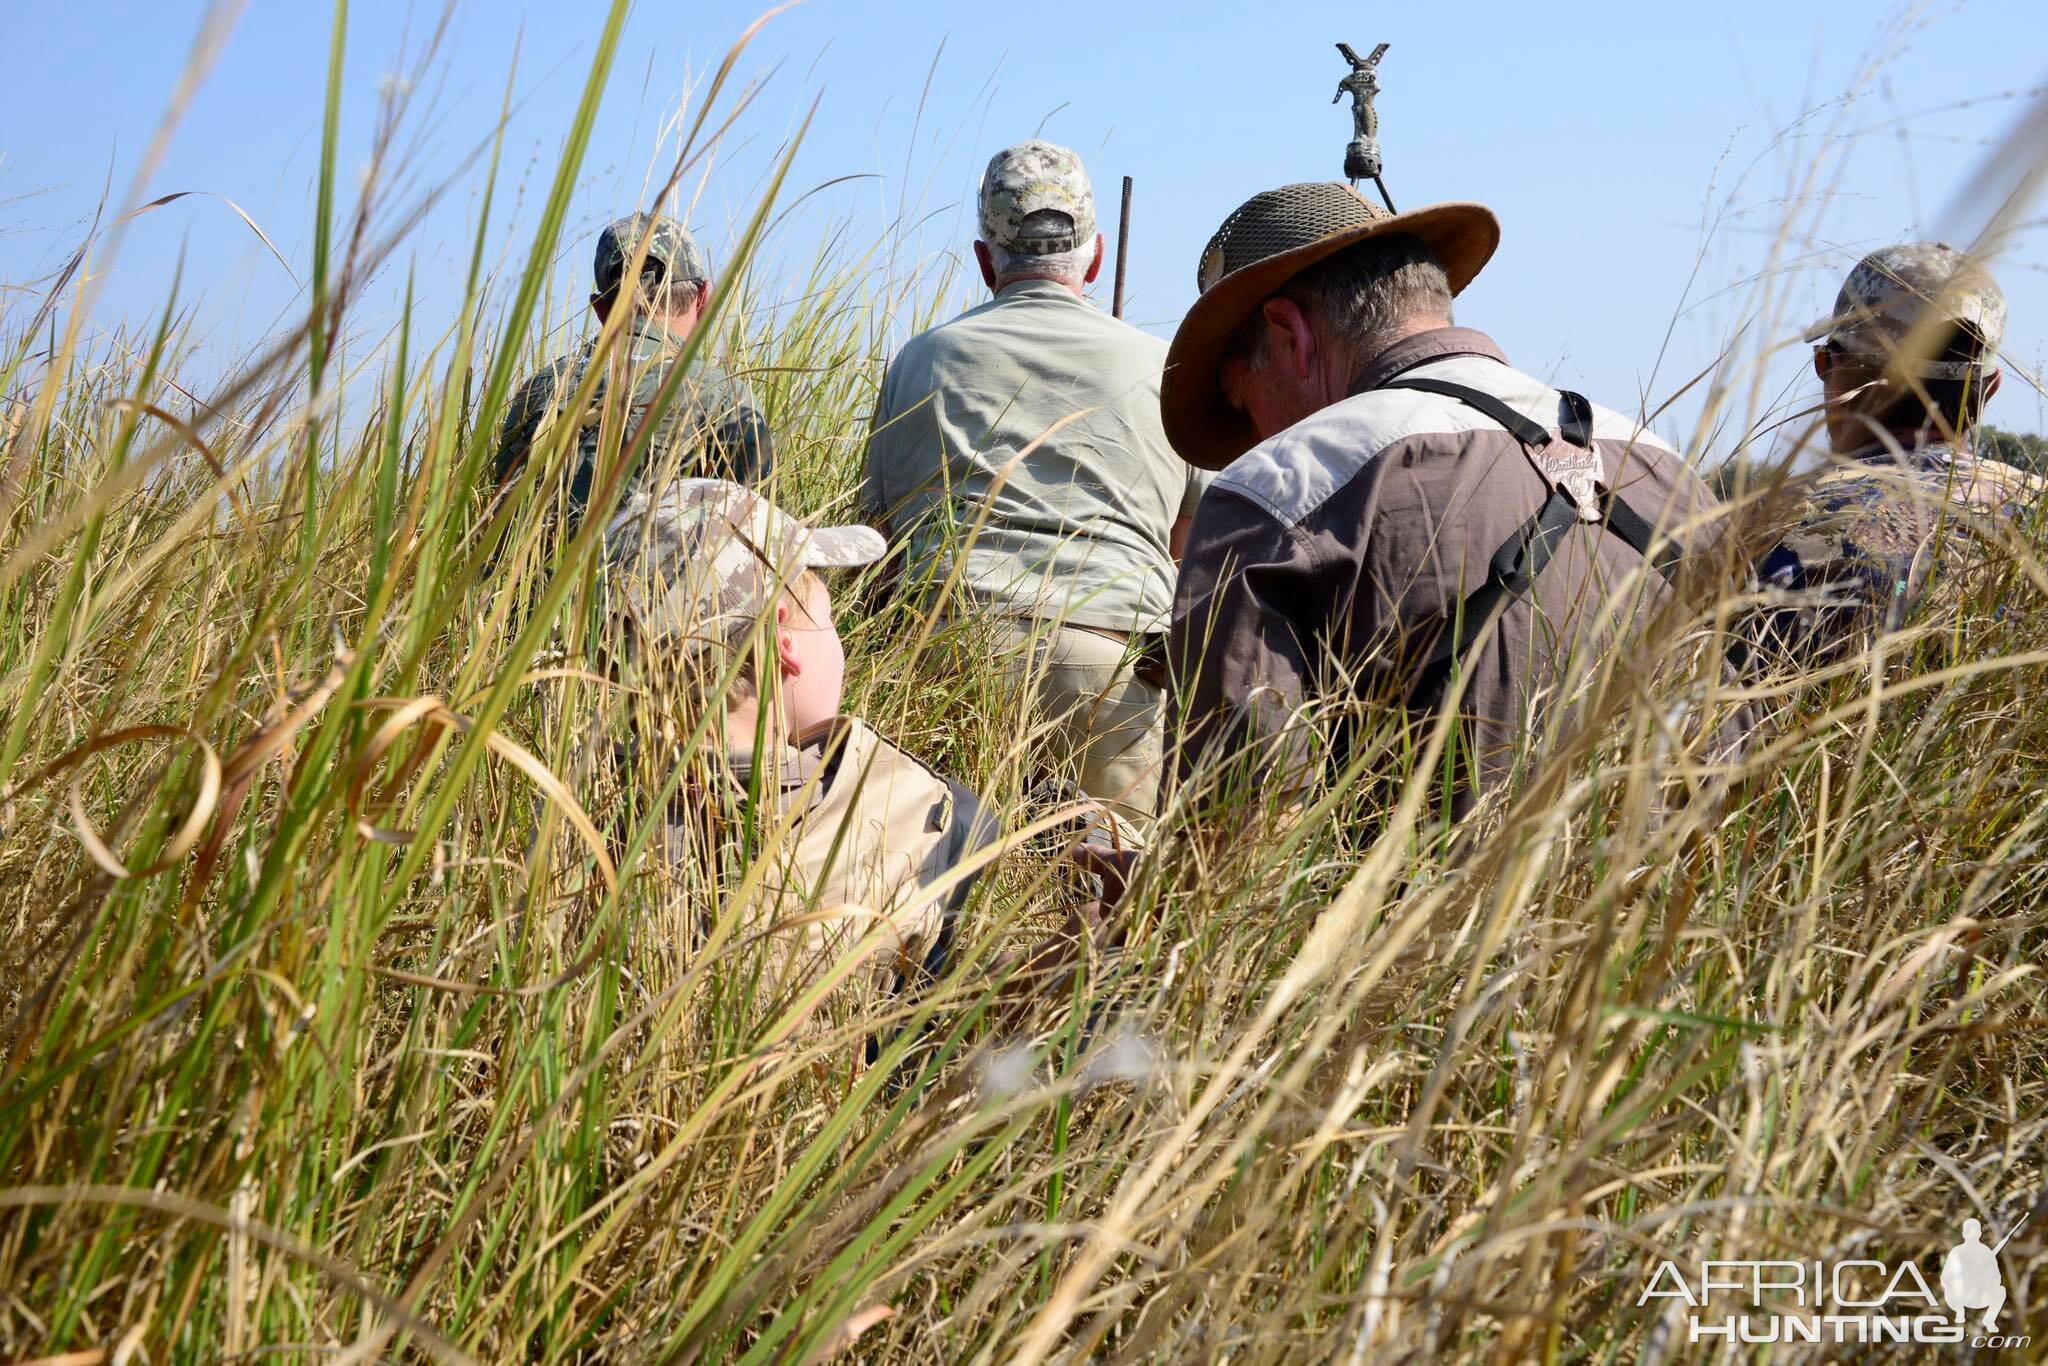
(1642, 157)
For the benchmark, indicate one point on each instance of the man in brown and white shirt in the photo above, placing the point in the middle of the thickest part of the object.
(1398, 509)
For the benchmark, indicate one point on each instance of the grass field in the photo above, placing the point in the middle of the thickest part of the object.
(332, 1029)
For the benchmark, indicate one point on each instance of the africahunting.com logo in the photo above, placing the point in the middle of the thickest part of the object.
(1856, 1301)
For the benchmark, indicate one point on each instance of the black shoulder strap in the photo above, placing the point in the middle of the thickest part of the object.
(1512, 573)
(1515, 565)
(1522, 428)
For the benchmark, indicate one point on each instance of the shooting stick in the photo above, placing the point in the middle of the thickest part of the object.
(1123, 251)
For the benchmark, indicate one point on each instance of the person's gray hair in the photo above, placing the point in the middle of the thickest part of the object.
(1066, 267)
(669, 297)
(1364, 295)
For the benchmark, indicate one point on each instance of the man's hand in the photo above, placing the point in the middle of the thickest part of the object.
(1047, 970)
(1113, 866)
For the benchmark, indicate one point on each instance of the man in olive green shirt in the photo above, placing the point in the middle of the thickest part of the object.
(711, 426)
(1017, 450)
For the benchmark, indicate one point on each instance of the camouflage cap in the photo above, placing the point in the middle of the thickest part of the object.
(694, 563)
(1894, 289)
(669, 245)
(1030, 178)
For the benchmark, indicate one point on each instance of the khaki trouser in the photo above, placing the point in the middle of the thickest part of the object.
(1108, 726)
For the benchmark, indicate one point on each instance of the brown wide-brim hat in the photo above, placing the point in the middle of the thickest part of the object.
(1270, 239)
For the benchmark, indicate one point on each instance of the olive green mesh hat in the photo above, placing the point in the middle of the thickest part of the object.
(1265, 242)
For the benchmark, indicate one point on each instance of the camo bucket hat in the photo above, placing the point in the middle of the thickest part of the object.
(692, 566)
(670, 249)
(1265, 242)
(1895, 290)
(1030, 178)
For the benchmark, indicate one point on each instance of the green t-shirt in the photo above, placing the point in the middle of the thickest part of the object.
(1078, 527)
(712, 426)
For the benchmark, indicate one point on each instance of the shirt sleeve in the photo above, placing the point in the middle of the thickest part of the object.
(522, 421)
(1239, 649)
(742, 436)
(1197, 484)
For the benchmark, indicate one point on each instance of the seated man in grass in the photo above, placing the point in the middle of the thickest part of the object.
(1398, 509)
(720, 611)
(1908, 359)
(1017, 454)
(707, 421)
(719, 606)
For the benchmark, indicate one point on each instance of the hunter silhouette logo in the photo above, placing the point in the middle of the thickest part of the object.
(1857, 1301)
(1970, 1278)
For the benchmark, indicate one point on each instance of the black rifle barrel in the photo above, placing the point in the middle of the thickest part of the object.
(1123, 251)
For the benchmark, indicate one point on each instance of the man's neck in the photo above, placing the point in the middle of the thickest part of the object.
(1414, 326)
(744, 732)
(1910, 439)
(1351, 368)
(677, 329)
(1069, 287)
(1935, 436)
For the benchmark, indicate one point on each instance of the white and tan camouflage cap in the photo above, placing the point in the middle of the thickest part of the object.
(1894, 289)
(1036, 177)
(695, 563)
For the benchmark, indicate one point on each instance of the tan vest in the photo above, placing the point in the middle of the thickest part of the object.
(867, 828)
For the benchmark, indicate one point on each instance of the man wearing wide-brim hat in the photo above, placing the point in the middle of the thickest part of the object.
(1399, 511)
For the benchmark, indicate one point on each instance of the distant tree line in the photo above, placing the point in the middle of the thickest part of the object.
(2026, 450)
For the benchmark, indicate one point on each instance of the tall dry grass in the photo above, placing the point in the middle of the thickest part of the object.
(349, 1010)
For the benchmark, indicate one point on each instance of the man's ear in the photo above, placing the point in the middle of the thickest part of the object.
(1288, 326)
(1990, 388)
(703, 298)
(1823, 361)
(986, 262)
(601, 305)
(786, 661)
(1094, 266)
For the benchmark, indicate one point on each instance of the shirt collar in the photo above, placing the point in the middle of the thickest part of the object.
(1933, 456)
(786, 768)
(795, 764)
(1036, 289)
(1438, 343)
